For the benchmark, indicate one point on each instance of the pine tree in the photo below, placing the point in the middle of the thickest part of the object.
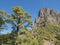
(20, 20)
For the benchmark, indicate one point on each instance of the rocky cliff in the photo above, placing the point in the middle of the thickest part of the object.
(47, 25)
(47, 15)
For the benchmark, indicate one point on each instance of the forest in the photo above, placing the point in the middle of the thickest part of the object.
(23, 31)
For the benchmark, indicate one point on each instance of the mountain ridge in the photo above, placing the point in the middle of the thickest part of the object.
(48, 15)
(47, 26)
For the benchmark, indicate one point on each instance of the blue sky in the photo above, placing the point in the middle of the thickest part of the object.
(31, 6)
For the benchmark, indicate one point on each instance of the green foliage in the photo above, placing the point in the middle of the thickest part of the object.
(1, 17)
(57, 42)
(26, 38)
(58, 36)
(20, 19)
(1, 21)
(20, 35)
(49, 32)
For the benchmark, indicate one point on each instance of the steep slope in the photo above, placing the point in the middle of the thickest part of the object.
(47, 27)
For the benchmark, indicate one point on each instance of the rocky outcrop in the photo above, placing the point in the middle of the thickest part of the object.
(46, 42)
(47, 15)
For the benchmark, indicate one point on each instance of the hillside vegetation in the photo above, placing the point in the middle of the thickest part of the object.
(20, 20)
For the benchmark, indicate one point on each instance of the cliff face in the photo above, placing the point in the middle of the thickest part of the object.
(46, 23)
(47, 15)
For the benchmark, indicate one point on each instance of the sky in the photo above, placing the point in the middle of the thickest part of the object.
(31, 6)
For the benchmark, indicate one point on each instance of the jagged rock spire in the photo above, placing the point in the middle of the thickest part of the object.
(47, 15)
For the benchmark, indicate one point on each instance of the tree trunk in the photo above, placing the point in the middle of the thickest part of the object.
(16, 43)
